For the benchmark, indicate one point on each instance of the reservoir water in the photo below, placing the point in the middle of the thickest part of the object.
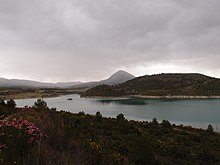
(198, 113)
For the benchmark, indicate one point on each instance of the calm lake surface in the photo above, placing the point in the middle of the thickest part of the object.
(195, 112)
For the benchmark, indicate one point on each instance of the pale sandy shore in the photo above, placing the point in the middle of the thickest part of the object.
(157, 97)
(177, 97)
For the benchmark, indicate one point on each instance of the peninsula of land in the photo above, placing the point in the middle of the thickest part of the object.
(178, 85)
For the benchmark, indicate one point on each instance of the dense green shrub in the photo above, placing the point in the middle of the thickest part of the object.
(8, 108)
(166, 124)
(11, 103)
(40, 104)
(120, 117)
(210, 128)
(98, 116)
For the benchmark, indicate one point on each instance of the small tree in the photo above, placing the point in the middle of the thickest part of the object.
(81, 113)
(7, 108)
(120, 117)
(40, 104)
(166, 124)
(155, 121)
(2, 103)
(210, 128)
(11, 103)
(98, 116)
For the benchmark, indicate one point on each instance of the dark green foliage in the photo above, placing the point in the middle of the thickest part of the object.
(142, 152)
(40, 104)
(104, 90)
(166, 124)
(120, 117)
(98, 116)
(81, 113)
(11, 103)
(206, 156)
(210, 128)
(2, 103)
(8, 108)
(154, 121)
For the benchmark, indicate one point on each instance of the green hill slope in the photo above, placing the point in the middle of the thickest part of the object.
(192, 84)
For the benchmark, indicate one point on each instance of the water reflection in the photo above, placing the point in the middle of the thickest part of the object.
(129, 101)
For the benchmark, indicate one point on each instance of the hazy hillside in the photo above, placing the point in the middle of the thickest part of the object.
(67, 84)
(117, 78)
(27, 83)
(162, 85)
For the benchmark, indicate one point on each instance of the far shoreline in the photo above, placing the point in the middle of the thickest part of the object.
(20, 96)
(176, 97)
(156, 97)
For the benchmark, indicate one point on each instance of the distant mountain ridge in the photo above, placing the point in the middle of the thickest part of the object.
(116, 78)
(191, 84)
(28, 83)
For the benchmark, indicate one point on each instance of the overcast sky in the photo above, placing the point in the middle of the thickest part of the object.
(64, 40)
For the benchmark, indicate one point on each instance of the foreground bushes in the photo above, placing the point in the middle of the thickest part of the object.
(39, 135)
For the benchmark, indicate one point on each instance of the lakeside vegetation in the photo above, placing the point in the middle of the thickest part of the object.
(161, 85)
(40, 135)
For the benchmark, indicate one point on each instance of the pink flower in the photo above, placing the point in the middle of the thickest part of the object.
(3, 146)
(22, 128)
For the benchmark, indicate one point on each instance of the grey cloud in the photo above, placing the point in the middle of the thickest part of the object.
(82, 39)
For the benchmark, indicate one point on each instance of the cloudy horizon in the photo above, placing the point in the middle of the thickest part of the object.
(81, 40)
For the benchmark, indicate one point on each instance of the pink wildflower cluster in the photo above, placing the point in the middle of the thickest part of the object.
(21, 129)
(28, 111)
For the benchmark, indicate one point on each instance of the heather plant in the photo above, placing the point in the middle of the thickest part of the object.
(17, 138)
